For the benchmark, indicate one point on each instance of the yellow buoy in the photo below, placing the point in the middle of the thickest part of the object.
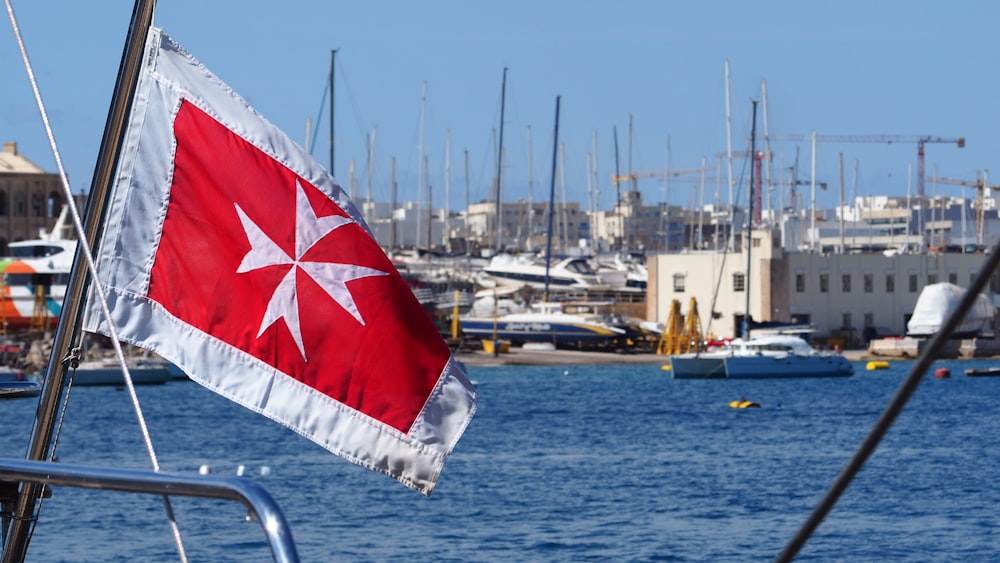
(666, 367)
(744, 404)
(877, 364)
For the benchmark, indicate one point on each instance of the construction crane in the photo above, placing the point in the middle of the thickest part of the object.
(920, 140)
(660, 173)
(981, 186)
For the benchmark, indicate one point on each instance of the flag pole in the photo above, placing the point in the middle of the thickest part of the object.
(68, 328)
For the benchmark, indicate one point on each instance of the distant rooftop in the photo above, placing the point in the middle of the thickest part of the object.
(13, 163)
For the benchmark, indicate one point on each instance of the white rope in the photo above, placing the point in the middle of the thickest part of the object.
(98, 292)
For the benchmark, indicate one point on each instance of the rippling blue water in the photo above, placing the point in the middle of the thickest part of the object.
(562, 463)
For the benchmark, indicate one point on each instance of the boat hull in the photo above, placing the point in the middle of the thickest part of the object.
(761, 367)
(985, 372)
(18, 389)
(519, 332)
(766, 367)
(697, 368)
(107, 373)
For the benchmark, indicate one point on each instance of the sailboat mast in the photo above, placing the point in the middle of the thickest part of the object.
(769, 181)
(596, 201)
(552, 199)
(68, 327)
(748, 243)
(499, 201)
(392, 204)
(530, 243)
(333, 58)
(369, 204)
(563, 227)
(467, 201)
(445, 234)
(618, 206)
(729, 161)
(430, 211)
(420, 163)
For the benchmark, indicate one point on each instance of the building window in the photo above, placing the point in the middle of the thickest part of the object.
(20, 205)
(890, 283)
(869, 283)
(800, 283)
(913, 283)
(824, 283)
(679, 283)
(53, 205)
(845, 283)
(739, 281)
(953, 278)
(847, 321)
(37, 205)
(932, 278)
(869, 320)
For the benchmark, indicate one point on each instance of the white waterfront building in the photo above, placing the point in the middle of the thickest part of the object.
(839, 294)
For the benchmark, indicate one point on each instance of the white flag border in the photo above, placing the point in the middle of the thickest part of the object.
(169, 75)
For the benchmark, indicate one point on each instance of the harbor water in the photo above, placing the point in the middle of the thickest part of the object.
(562, 463)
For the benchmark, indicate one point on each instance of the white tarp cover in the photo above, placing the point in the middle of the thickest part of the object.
(935, 304)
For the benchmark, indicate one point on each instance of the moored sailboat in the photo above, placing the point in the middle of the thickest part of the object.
(755, 357)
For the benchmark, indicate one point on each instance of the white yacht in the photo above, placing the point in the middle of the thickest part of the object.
(573, 272)
(771, 356)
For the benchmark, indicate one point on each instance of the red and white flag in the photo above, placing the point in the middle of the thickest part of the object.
(229, 251)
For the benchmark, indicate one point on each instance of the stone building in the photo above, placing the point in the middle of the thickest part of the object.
(30, 198)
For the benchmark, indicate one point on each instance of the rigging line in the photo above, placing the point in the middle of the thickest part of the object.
(892, 410)
(319, 118)
(84, 245)
(344, 78)
(73, 359)
(726, 250)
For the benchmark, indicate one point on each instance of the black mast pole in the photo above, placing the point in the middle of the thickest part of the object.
(746, 243)
(503, 98)
(333, 95)
(552, 200)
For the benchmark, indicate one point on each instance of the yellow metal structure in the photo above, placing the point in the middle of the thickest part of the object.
(681, 334)
(691, 336)
(454, 318)
(4, 299)
(40, 314)
(671, 330)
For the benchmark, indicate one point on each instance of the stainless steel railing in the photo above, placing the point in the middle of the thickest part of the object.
(255, 497)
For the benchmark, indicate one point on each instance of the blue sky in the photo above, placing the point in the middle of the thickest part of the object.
(844, 68)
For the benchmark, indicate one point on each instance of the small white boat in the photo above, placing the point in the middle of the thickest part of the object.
(994, 371)
(15, 384)
(772, 356)
(19, 389)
